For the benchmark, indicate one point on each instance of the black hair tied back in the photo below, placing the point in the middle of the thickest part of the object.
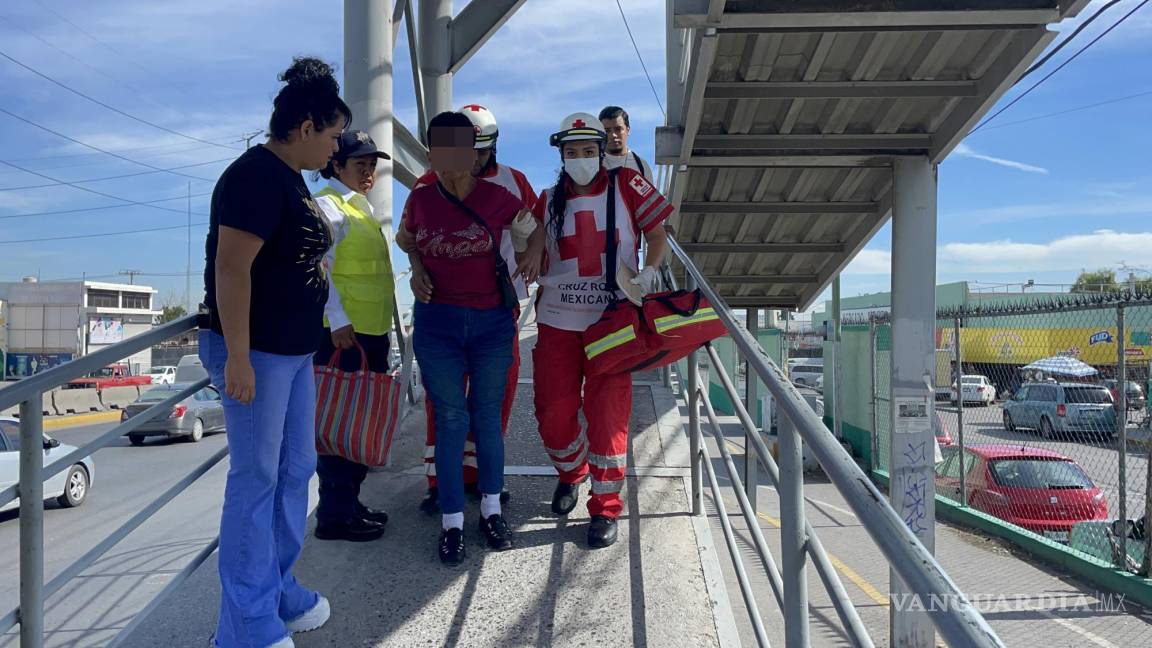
(310, 93)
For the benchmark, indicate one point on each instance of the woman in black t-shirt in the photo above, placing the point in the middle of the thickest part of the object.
(265, 293)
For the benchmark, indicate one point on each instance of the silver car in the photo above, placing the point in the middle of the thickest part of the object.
(200, 413)
(69, 487)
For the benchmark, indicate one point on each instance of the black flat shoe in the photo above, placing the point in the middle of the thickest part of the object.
(496, 532)
(452, 550)
(357, 530)
(474, 491)
(565, 498)
(372, 515)
(431, 502)
(601, 532)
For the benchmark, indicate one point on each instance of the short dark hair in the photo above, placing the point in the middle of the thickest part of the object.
(451, 119)
(612, 112)
(310, 93)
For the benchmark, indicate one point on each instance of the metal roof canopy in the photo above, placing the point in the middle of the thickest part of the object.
(785, 117)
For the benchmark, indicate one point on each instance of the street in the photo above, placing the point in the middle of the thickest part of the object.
(93, 607)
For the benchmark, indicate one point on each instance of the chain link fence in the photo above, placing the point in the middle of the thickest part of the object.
(1042, 417)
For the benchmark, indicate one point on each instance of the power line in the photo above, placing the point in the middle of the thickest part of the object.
(99, 235)
(97, 148)
(115, 177)
(638, 56)
(1072, 110)
(91, 191)
(95, 69)
(1064, 43)
(90, 36)
(1061, 66)
(92, 209)
(109, 106)
(184, 147)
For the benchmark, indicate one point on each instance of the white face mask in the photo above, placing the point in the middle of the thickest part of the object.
(582, 170)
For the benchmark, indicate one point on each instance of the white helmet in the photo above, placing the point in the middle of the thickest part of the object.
(579, 127)
(485, 124)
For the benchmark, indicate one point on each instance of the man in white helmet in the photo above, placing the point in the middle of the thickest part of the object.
(489, 170)
(574, 289)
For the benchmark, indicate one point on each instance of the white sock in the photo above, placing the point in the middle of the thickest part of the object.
(452, 521)
(490, 505)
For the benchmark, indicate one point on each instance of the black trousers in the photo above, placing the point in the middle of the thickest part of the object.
(340, 479)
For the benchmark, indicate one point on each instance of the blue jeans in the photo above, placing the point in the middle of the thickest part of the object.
(272, 449)
(451, 342)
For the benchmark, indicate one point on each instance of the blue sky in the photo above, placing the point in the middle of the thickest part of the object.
(1037, 200)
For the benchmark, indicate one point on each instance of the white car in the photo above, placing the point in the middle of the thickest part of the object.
(805, 375)
(975, 389)
(69, 487)
(819, 386)
(165, 375)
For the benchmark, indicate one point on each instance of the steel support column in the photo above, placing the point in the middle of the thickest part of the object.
(368, 88)
(31, 523)
(434, 22)
(837, 409)
(912, 490)
(751, 381)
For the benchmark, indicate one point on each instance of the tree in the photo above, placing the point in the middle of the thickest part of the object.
(172, 312)
(1100, 281)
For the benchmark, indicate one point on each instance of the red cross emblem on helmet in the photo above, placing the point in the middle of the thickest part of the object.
(579, 123)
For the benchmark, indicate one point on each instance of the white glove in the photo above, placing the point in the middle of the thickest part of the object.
(521, 229)
(646, 280)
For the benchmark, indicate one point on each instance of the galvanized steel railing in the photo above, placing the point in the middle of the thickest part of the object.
(28, 393)
(958, 622)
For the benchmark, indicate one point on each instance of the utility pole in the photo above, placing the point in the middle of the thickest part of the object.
(249, 137)
(188, 268)
(131, 274)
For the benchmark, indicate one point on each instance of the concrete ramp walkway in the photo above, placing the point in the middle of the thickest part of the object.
(658, 586)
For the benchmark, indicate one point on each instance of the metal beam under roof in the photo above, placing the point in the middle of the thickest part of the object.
(786, 116)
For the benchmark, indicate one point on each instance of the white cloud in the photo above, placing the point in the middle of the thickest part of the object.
(1067, 254)
(871, 262)
(1100, 249)
(963, 150)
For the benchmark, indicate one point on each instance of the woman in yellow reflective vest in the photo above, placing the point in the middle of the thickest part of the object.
(361, 294)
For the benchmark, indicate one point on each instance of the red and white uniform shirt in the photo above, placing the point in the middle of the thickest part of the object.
(517, 184)
(573, 289)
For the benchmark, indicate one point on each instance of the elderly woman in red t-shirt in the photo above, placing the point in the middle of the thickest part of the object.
(463, 319)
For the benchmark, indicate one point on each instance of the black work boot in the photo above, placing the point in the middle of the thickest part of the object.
(354, 530)
(565, 497)
(601, 532)
(431, 502)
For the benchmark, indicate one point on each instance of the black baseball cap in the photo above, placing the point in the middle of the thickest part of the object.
(357, 143)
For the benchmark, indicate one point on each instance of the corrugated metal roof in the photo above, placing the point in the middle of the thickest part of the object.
(785, 117)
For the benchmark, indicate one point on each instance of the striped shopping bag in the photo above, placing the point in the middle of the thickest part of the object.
(356, 411)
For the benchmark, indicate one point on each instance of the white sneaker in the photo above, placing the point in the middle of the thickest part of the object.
(310, 620)
(286, 642)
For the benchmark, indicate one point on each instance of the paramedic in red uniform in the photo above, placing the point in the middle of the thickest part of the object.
(489, 170)
(572, 297)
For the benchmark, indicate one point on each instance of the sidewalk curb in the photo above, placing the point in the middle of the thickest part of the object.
(82, 419)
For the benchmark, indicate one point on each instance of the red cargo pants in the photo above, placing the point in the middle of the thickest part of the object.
(558, 375)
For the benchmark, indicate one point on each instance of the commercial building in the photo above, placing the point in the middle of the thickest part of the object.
(46, 324)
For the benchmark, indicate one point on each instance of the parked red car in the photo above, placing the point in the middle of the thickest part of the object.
(1039, 490)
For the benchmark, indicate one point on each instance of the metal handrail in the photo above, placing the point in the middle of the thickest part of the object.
(35, 385)
(959, 622)
(853, 625)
